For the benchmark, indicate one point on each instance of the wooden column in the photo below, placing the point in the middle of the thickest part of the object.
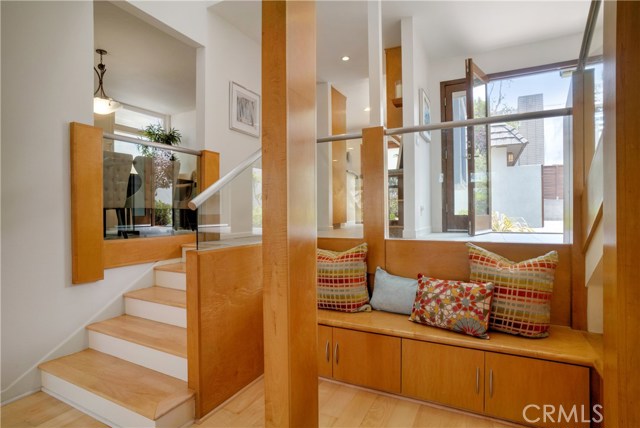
(209, 169)
(374, 197)
(86, 204)
(289, 213)
(620, 215)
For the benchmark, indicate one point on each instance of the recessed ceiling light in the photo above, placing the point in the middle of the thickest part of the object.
(367, 109)
(346, 58)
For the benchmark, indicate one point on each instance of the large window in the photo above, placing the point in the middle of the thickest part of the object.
(525, 161)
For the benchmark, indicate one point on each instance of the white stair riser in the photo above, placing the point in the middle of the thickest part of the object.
(156, 312)
(175, 280)
(153, 359)
(109, 412)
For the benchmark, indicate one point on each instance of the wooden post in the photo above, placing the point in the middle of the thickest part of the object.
(374, 197)
(86, 204)
(209, 169)
(289, 213)
(620, 214)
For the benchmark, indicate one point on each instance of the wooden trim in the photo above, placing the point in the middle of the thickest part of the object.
(594, 226)
(393, 64)
(209, 169)
(374, 195)
(620, 218)
(86, 203)
(220, 364)
(532, 70)
(125, 252)
(580, 133)
(289, 213)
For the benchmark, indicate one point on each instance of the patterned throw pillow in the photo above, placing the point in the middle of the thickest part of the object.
(453, 305)
(522, 296)
(342, 280)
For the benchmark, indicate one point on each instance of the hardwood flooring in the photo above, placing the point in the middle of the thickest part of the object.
(340, 406)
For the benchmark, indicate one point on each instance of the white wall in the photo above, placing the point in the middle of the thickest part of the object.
(595, 281)
(47, 81)
(546, 52)
(416, 153)
(230, 56)
(516, 191)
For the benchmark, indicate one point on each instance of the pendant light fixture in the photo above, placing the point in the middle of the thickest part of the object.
(102, 104)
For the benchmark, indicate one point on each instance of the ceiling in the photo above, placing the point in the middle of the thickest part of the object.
(447, 29)
(151, 69)
(146, 67)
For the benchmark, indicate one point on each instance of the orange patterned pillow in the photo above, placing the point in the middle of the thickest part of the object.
(342, 280)
(522, 296)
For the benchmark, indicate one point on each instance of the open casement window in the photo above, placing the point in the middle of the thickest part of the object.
(465, 155)
(478, 151)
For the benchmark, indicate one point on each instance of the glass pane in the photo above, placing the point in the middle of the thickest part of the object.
(480, 176)
(460, 167)
(233, 215)
(146, 191)
(339, 189)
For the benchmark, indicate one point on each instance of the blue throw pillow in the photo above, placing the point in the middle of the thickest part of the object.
(393, 293)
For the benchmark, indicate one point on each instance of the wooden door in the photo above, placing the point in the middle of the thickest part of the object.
(443, 374)
(455, 175)
(519, 388)
(367, 359)
(325, 365)
(478, 157)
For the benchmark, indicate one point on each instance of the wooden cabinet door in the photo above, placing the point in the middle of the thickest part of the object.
(517, 384)
(443, 374)
(325, 365)
(367, 359)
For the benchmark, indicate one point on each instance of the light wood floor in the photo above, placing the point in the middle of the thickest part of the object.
(340, 406)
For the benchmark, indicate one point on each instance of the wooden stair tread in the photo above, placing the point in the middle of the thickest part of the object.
(163, 337)
(179, 267)
(161, 295)
(144, 391)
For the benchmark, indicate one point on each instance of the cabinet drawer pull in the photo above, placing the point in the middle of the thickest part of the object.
(490, 383)
(477, 380)
(326, 351)
(335, 353)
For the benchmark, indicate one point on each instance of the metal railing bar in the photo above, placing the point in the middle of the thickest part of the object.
(110, 136)
(196, 202)
(330, 138)
(592, 20)
(482, 121)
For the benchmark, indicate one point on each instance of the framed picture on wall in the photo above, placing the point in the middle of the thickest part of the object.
(244, 110)
(425, 114)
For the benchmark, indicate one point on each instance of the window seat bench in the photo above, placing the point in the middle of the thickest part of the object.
(498, 377)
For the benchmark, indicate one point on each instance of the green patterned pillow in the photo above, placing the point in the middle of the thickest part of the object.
(522, 297)
(342, 280)
(462, 307)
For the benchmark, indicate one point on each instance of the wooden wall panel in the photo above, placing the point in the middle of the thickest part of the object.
(339, 157)
(289, 213)
(224, 323)
(339, 244)
(86, 203)
(209, 169)
(126, 252)
(374, 195)
(449, 260)
(393, 60)
(620, 217)
(580, 131)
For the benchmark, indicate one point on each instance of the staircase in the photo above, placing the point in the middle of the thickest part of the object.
(134, 373)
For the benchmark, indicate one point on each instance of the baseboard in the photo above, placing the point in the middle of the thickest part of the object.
(76, 341)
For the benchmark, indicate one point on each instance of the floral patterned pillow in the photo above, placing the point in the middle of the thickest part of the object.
(462, 307)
